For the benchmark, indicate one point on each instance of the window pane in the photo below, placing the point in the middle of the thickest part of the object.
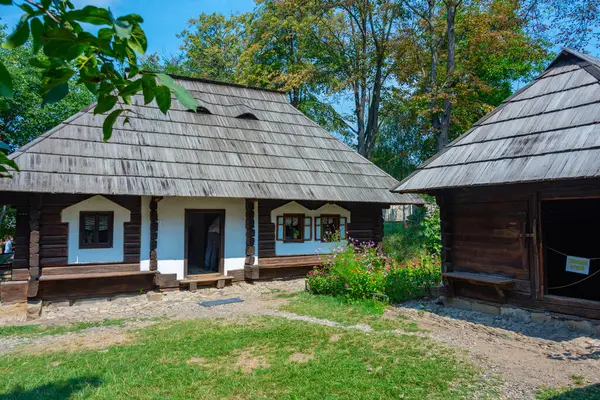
(292, 228)
(307, 228)
(89, 227)
(103, 225)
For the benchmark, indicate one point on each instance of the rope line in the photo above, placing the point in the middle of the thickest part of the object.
(567, 255)
(579, 281)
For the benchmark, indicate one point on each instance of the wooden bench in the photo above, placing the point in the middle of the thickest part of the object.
(283, 266)
(84, 280)
(193, 281)
(498, 282)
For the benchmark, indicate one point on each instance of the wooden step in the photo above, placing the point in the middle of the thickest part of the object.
(193, 281)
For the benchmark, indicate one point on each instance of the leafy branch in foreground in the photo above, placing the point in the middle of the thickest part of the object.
(73, 54)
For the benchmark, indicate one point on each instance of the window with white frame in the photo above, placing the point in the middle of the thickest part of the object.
(294, 228)
(328, 227)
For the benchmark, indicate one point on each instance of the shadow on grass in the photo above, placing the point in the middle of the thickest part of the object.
(55, 390)
(583, 393)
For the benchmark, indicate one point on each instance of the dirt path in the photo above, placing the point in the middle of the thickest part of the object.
(525, 362)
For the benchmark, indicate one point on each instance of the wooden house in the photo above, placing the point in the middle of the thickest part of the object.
(247, 178)
(519, 195)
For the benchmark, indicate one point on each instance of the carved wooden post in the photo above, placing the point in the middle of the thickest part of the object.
(35, 207)
(250, 271)
(153, 232)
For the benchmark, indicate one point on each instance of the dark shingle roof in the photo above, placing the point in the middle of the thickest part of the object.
(548, 130)
(281, 155)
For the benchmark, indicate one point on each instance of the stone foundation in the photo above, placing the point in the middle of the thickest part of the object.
(555, 320)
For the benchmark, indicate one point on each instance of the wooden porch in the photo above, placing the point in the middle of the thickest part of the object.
(282, 267)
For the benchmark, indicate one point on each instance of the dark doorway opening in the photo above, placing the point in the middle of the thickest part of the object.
(204, 250)
(570, 228)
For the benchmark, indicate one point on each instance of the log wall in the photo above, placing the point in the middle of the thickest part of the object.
(366, 222)
(496, 230)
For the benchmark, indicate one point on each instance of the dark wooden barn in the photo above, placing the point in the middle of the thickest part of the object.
(519, 196)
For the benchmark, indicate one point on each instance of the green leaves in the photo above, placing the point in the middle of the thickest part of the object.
(37, 34)
(19, 35)
(107, 126)
(56, 93)
(138, 41)
(91, 15)
(122, 28)
(148, 87)
(105, 103)
(163, 98)
(184, 97)
(6, 85)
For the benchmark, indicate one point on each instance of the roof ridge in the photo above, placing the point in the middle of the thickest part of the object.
(222, 83)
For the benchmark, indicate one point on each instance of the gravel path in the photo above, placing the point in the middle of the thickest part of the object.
(527, 356)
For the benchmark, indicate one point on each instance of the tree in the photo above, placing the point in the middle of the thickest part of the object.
(357, 40)
(213, 44)
(486, 49)
(22, 117)
(279, 54)
(573, 23)
(72, 54)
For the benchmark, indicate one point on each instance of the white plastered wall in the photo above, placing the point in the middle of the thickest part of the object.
(171, 231)
(71, 216)
(312, 246)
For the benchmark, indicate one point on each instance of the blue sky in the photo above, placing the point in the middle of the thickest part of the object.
(163, 19)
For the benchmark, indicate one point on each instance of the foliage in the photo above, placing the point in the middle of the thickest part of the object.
(22, 116)
(414, 278)
(213, 45)
(418, 236)
(355, 271)
(55, 29)
(8, 221)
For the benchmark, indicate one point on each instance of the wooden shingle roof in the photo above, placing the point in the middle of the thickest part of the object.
(548, 130)
(281, 154)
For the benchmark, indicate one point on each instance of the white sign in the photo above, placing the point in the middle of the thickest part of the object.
(578, 265)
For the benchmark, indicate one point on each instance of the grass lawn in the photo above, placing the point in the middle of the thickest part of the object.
(38, 330)
(246, 359)
(347, 312)
(582, 393)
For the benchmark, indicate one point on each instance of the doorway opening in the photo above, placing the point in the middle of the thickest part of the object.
(571, 252)
(204, 250)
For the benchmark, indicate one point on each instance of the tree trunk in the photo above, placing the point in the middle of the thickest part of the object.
(373, 117)
(432, 89)
(450, 67)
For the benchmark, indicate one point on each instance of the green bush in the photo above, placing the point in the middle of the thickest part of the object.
(415, 238)
(355, 271)
(413, 279)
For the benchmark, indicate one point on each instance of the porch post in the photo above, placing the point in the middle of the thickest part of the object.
(250, 270)
(35, 206)
(154, 232)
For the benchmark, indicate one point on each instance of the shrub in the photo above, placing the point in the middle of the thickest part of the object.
(356, 271)
(413, 279)
(418, 236)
